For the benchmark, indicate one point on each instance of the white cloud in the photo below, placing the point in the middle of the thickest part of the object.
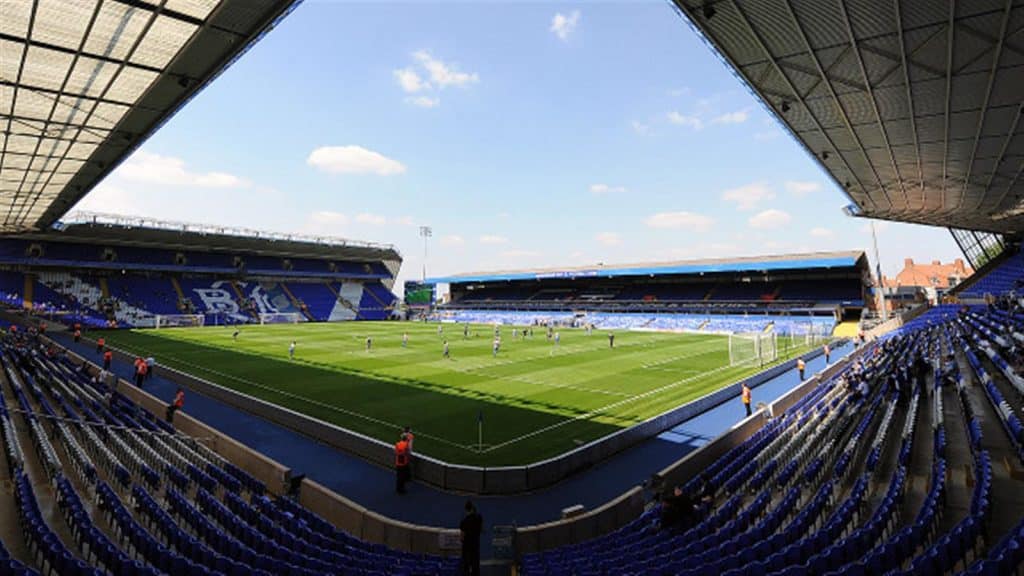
(410, 81)
(683, 120)
(353, 160)
(171, 171)
(821, 232)
(770, 219)
(683, 91)
(749, 196)
(519, 253)
(684, 220)
(423, 101)
(640, 127)
(328, 217)
(802, 188)
(737, 117)
(325, 222)
(492, 239)
(374, 219)
(405, 221)
(111, 199)
(563, 25)
(606, 189)
(442, 73)
(452, 240)
(609, 238)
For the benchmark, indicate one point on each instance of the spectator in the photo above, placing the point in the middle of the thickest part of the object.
(470, 528)
(409, 436)
(745, 396)
(862, 388)
(140, 372)
(801, 366)
(179, 402)
(150, 364)
(101, 344)
(108, 357)
(676, 510)
(402, 471)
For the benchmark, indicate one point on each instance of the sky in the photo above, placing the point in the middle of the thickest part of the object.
(524, 134)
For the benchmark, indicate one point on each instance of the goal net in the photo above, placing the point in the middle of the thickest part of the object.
(178, 320)
(753, 349)
(280, 317)
(817, 334)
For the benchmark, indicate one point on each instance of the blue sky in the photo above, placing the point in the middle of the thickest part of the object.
(526, 134)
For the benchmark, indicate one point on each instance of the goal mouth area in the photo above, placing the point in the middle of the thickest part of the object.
(178, 320)
(281, 318)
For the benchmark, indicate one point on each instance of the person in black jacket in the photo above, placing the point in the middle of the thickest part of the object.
(470, 528)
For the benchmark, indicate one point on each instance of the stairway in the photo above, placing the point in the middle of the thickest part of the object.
(295, 302)
(242, 301)
(90, 296)
(710, 293)
(349, 297)
(179, 292)
(30, 282)
(104, 287)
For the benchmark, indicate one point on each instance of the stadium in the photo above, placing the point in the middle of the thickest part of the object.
(182, 398)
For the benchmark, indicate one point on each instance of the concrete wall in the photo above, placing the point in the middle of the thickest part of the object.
(470, 479)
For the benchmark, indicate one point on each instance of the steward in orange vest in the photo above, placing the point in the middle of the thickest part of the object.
(402, 470)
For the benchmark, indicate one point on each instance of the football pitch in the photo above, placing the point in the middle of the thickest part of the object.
(535, 399)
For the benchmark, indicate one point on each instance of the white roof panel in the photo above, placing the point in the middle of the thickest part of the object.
(84, 82)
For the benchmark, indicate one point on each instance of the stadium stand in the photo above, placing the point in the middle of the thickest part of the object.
(164, 502)
(791, 294)
(824, 487)
(114, 282)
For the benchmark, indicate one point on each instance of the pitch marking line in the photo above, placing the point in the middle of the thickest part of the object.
(311, 401)
(597, 411)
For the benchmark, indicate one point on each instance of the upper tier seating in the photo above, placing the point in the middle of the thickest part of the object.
(1007, 276)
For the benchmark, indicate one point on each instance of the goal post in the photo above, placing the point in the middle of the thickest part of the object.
(178, 320)
(753, 349)
(281, 317)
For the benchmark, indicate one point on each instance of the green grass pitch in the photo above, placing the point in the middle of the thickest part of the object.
(538, 400)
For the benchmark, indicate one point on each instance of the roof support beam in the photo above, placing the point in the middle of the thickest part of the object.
(53, 110)
(950, 36)
(17, 81)
(797, 98)
(910, 101)
(874, 101)
(78, 52)
(110, 83)
(1002, 154)
(835, 99)
(984, 109)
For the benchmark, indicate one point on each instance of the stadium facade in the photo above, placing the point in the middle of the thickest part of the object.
(793, 293)
(116, 272)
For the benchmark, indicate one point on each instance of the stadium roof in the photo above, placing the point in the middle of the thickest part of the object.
(84, 82)
(914, 107)
(817, 260)
(114, 230)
